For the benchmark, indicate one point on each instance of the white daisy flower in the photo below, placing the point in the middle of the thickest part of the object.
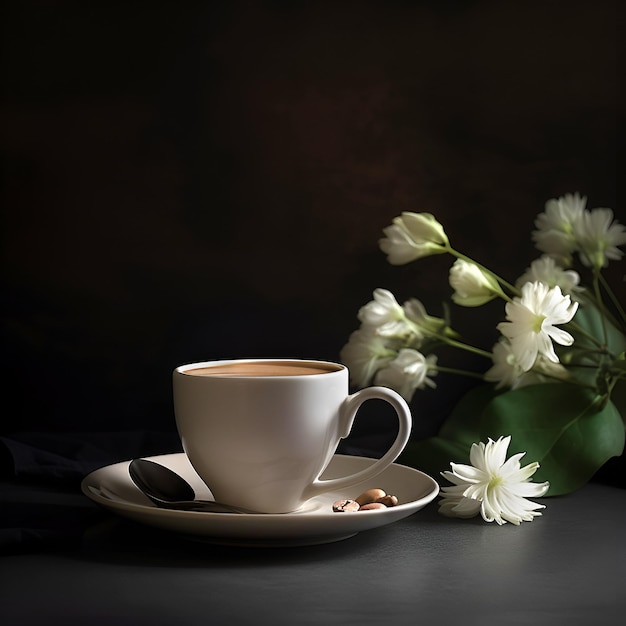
(598, 236)
(506, 371)
(555, 227)
(532, 319)
(492, 486)
(546, 270)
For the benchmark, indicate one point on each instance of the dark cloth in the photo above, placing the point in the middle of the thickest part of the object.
(64, 459)
(41, 507)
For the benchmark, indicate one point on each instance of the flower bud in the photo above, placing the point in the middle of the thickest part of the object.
(472, 286)
(412, 236)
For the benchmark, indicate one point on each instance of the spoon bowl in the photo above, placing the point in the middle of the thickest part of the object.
(169, 490)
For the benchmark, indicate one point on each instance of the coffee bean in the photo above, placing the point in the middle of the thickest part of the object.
(371, 495)
(372, 506)
(369, 500)
(345, 506)
(388, 500)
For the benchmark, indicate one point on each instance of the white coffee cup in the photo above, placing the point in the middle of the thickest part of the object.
(259, 432)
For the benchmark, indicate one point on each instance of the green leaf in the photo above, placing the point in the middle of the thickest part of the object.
(618, 398)
(590, 319)
(587, 363)
(564, 427)
(561, 426)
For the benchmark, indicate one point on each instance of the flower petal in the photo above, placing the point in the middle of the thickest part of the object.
(468, 473)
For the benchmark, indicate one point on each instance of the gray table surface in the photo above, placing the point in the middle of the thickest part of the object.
(566, 567)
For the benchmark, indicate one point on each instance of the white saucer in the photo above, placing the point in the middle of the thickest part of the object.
(314, 523)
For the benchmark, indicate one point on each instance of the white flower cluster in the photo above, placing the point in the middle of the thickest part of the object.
(384, 349)
(395, 344)
(567, 227)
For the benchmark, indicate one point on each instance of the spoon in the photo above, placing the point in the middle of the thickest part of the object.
(168, 490)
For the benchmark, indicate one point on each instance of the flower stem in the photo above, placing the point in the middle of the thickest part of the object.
(598, 295)
(454, 370)
(466, 346)
(612, 297)
(574, 326)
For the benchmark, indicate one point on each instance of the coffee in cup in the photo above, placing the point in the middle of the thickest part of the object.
(260, 432)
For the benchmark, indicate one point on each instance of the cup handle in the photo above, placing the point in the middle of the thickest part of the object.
(347, 414)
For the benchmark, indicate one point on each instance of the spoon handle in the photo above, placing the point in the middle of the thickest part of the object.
(206, 506)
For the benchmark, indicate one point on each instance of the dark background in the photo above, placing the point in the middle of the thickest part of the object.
(186, 181)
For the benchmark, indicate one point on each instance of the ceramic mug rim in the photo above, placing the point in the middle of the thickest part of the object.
(330, 367)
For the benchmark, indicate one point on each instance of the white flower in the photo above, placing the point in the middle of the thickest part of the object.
(531, 323)
(598, 236)
(408, 372)
(412, 236)
(567, 227)
(386, 316)
(507, 372)
(555, 234)
(544, 371)
(422, 322)
(364, 354)
(472, 286)
(492, 486)
(546, 270)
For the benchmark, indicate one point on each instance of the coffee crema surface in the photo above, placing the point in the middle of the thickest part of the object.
(263, 368)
